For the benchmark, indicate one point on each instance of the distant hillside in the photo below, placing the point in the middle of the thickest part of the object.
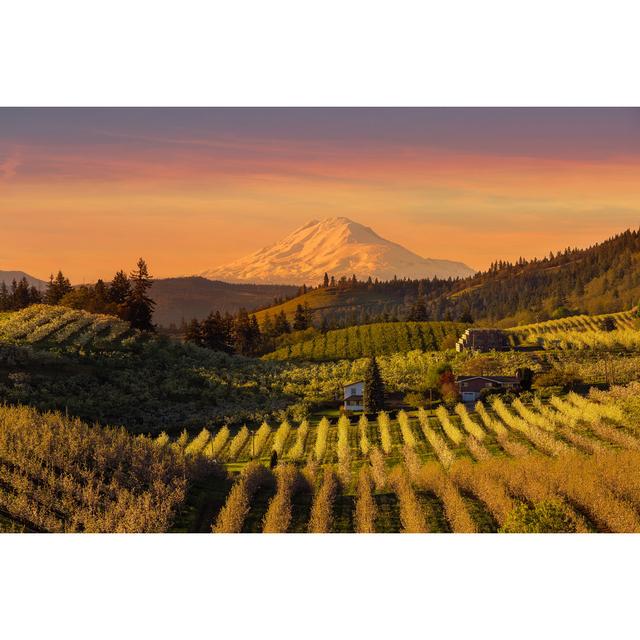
(337, 246)
(195, 297)
(9, 276)
(341, 304)
(373, 340)
(604, 278)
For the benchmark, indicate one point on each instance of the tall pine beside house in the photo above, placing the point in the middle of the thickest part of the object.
(373, 388)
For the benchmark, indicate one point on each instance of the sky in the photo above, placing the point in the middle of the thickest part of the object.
(90, 190)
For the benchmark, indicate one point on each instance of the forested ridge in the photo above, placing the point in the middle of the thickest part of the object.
(603, 278)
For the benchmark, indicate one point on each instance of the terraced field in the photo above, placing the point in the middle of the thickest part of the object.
(53, 326)
(607, 330)
(373, 340)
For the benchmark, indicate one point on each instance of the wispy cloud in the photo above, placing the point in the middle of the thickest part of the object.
(9, 166)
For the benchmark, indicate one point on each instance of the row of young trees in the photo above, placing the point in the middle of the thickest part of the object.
(125, 296)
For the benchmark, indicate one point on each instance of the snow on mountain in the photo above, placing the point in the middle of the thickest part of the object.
(339, 247)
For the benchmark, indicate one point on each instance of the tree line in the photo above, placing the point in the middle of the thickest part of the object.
(241, 333)
(126, 296)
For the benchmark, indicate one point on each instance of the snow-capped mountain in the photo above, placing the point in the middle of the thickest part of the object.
(339, 247)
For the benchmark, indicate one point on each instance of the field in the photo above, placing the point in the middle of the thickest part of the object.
(60, 475)
(463, 471)
(568, 463)
(60, 327)
(552, 460)
(373, 339)
(552, 333)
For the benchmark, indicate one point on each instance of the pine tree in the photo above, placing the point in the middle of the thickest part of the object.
(300, 320)
(282, 324)
(57, 288)
(217, 333)
(120, 288)
(193, 333)
(373, 388)
(247, 334)
(268, 331)
(5, 299)
(325, 282)
(138, 306)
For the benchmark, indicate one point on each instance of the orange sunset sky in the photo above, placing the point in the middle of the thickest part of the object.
(91, 190)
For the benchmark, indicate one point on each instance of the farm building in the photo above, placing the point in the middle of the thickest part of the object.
(483, 340)
(354, 396)
(470, 387)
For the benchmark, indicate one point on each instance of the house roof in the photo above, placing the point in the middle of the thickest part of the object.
(500, 379)
(350, 384)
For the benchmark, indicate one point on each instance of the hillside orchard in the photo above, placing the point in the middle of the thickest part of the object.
(566, 464)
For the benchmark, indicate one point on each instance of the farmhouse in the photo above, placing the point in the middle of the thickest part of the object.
(470, 387)
(483, 340)
(354, 396)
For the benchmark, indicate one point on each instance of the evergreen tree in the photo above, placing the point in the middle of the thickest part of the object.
(22, 295)
(373, 388)
(5, 299)
(325, 282)
(418, 311)
(193, 333)
(138, 306)
(57, 288)
(247, 334)
(268, 331)
(217, 332)
(100, 294)
(300, 319)
(120, 288)
(282, 324)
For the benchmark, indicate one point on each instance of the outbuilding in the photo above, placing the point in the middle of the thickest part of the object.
(470, 387)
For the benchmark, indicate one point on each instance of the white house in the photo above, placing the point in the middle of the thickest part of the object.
(354, 396)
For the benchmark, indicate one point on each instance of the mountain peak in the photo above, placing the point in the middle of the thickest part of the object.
(338, 246)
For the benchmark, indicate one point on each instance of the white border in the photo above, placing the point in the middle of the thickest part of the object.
(320, 586)
(334, 52)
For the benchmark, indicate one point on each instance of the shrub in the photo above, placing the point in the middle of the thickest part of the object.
(548, 516)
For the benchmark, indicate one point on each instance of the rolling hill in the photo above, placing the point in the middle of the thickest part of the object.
(180, 299)
(60, 327)
(372, 340)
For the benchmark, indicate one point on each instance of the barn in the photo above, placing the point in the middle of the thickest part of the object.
(483, 340)
(470, 387)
